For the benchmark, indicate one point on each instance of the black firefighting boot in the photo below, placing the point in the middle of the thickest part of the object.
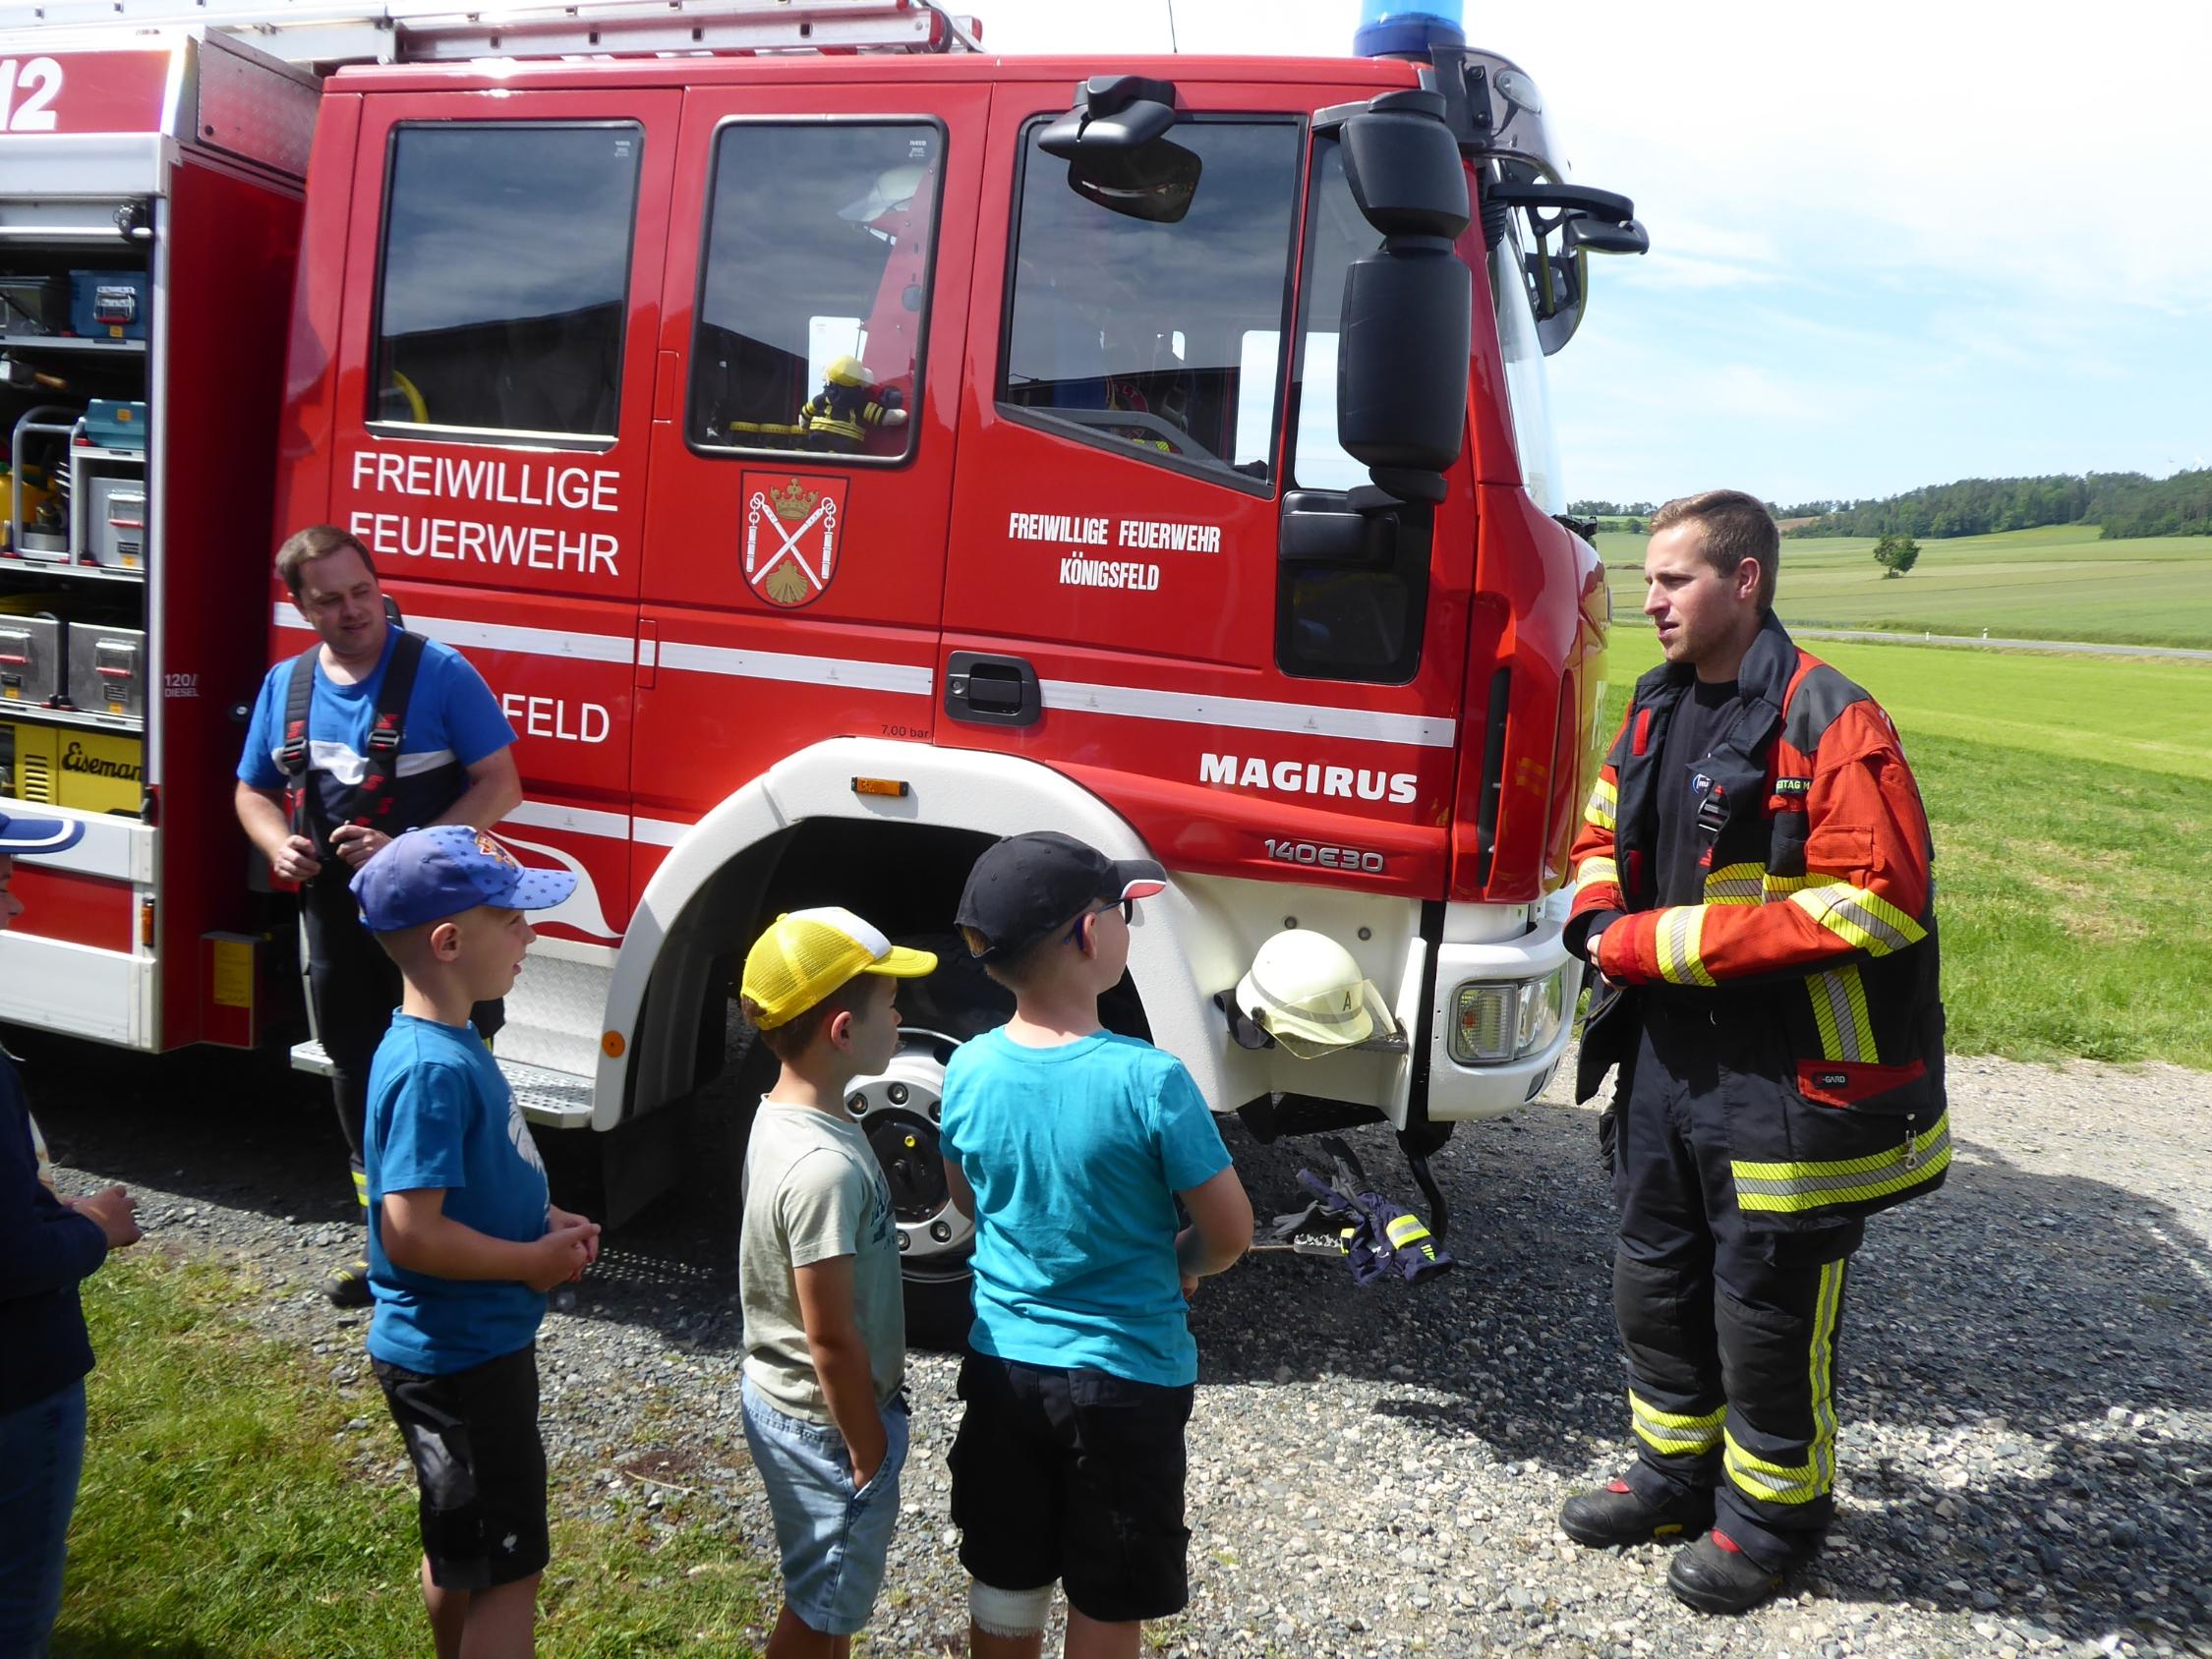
(348, 1285)
(1615, 1514)
(1714, 1575)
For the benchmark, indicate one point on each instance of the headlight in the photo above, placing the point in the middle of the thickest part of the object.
(1486, 1023)
(1500, 1021)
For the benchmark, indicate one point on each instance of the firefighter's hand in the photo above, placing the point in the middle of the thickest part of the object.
(117, 1213)
(560, 1217)
(357, 844)
(295, 860)
(560, 1255)
(1590, 954)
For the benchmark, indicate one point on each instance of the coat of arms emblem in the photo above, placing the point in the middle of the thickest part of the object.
(790, 550)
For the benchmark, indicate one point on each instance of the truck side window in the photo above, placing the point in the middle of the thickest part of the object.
(814, 289)
(1341, 622)
(502, 294)
(1158, 338)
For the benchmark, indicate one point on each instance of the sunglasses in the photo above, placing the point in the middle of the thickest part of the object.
(1127, 908)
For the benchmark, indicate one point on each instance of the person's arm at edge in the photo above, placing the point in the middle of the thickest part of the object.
(840, 1360)
(956, 1188)
(1220, 1229)
(45, 1245)
(419, 1236)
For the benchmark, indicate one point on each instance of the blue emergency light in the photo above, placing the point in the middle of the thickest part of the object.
(1392, 29)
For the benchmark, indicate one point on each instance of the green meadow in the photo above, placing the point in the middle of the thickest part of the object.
(2071, 799)
(2054, 583)
(236, 1506)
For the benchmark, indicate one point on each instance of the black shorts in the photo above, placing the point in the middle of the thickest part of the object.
(1074, 1475)
(478, 1465)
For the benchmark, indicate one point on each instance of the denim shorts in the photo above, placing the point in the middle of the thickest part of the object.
(832, 1538)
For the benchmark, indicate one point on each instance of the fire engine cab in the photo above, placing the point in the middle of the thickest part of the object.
(837, 447)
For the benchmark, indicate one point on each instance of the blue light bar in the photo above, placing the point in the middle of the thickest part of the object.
(1393, 29)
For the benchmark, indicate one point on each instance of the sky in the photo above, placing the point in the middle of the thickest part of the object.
(1892, 243)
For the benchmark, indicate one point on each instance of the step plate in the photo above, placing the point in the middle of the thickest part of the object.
(557, 1099)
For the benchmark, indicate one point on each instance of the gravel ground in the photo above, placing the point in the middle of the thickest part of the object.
(2026, 1385)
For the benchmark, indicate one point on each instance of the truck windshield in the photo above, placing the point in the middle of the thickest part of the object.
(1157, 338)
(1526, 387)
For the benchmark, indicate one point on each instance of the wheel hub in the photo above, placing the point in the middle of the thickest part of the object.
(898, 1110)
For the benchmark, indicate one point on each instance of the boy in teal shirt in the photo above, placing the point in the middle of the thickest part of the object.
(463, 1239)
(1069, 1145)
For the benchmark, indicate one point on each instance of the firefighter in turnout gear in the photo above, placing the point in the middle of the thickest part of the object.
(370, 733)
(1754, 891)
(837, 418)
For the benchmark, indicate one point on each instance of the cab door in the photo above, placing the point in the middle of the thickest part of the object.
(1153, 406)
(494, 405)
(810, 363)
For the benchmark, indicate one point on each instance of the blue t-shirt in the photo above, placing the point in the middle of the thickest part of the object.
(440, 1114)
(452, 716)
(1076, 1152)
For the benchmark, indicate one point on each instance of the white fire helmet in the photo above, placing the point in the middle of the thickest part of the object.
(1304, 991)
(894, 187)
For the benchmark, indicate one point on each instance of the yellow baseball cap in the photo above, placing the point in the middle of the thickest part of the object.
(809, 953)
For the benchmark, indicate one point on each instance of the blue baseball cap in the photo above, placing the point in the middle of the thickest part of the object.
(38, 835)
(428, 875)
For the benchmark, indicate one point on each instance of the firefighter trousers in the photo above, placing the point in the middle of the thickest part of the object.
(1730, 1332)
(355, 988)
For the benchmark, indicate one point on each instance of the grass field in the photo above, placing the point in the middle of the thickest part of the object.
(229, 1512)
(2072, 803)
(2055, 583)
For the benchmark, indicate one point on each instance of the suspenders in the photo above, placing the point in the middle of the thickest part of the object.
(371, 798)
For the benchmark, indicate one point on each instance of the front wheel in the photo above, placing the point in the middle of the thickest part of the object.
(898, 1110)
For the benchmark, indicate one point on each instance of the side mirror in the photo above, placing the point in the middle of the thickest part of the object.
(1118, 156)
(1401, 369)
(1598, 237)
(1587, 221)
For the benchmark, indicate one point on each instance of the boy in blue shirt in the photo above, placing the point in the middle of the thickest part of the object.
(463, 1239)
(1069, 1146)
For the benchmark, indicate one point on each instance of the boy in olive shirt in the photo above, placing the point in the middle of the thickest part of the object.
(818, 1274)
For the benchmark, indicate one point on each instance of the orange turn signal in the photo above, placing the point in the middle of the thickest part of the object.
(880, 786)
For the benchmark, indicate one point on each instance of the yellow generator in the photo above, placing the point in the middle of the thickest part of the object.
(55, 766)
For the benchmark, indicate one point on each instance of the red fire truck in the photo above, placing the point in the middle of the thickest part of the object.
(836, 447)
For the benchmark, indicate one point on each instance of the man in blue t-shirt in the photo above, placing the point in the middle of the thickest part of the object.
(1069, 1146)
(319, 802)
(464, 1240)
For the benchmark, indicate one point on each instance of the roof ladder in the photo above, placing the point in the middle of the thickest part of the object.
(334, 31)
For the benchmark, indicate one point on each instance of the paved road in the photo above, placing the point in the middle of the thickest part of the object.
(2082, 648)
(2069, 648)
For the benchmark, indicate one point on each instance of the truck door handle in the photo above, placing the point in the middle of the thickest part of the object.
(987, 690)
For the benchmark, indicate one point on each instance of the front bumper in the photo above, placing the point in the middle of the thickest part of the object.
(1459, 1088)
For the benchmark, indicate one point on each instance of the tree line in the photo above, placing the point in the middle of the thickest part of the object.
(2123, 504)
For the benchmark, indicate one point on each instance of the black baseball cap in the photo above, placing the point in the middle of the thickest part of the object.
(1026, 885)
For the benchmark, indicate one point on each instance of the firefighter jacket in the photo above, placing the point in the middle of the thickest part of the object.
(1813, 952)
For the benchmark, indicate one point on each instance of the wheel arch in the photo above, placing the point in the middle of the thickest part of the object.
(710, 890)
